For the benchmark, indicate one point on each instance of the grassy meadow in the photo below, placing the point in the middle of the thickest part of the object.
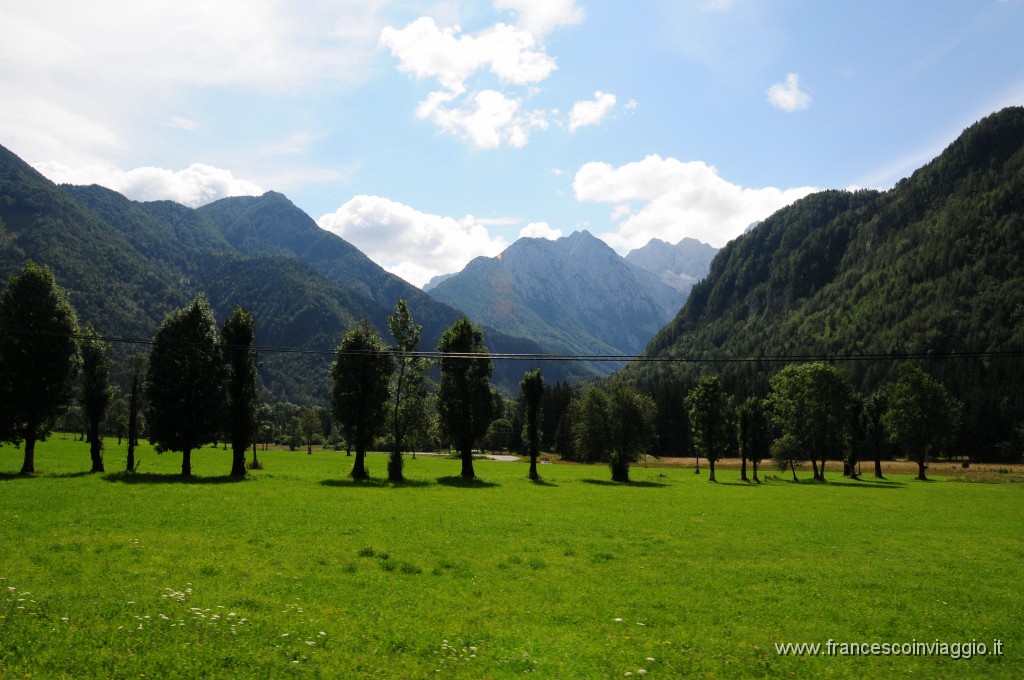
(299, 571)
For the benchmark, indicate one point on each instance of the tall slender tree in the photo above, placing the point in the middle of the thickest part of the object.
(135, 366)
(185, 382)
(361, 374)
(710, 419)
(409, 392)
(96, 391)
(38, 357)
(754, 431)
(238, 340)
(464, 401)
(532, 392)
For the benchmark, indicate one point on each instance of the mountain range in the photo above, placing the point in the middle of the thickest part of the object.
(574, 295)
(930, 271)
(679, 266)
(126, 264)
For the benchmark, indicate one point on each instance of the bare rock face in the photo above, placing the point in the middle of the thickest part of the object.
(574, 295)
(680, 265)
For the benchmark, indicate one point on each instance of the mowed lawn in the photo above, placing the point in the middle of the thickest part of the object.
(297, 570)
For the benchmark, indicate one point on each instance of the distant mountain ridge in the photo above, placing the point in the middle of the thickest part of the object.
(126, 264)
(574, 295)
(680, 265)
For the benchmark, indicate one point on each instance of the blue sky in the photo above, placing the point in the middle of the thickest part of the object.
(428, 133)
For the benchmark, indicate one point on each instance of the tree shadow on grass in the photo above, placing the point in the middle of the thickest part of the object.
(154, 478)
(463, 483)
(540, 481)
(608, 482)
(374, 483)
(44, 475)
(750, 485)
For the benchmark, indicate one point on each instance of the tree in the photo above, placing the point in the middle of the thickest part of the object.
(754, 435)
(464, 401)
(921, 415)
(615, 424)
(38, 358)
(532, 392)
(409, 393)
(874, 408)
(96, 391)
(238, 339)
(184, 385)
(311, 427)
(360, 376)
(813, 403)
(135, 365)
(708, 407)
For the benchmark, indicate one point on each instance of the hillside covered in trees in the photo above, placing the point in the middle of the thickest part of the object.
(932, 269)
(127, 264)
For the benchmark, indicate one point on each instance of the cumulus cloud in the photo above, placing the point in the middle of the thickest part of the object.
(591, 111)
(487, 118)
(540, 230)
(540, 17)
(668, 199)
(194, 186)
(412, 244)
(427, 51)
(788, 96)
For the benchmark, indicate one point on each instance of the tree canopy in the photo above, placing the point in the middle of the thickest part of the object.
(185, 382)
(38, 357)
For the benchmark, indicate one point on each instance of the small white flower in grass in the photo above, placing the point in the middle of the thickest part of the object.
(322, 634)
(650, 658)
(284, 634)
(64, 619)
(641, 671)
(618, 619)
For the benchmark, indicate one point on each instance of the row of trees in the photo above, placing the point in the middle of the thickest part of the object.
(201, 385)
(814, 413)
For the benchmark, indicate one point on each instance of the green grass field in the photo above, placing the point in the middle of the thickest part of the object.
(300, 571)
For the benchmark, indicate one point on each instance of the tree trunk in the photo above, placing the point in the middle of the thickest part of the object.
(238, 461)
(743, 469)
(359, 466)
(920, 469)
(28, 467)
(95, 445)
(814, 464)
(711, 464)
(792, 468)
(255, 462)
(467, 464)
(309, 447)
(878, 465)
(186, 463)
(133, 422)
(533, 468)
(755, 471)
(821, 470)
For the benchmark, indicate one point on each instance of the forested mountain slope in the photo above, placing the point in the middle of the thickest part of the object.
(932, 267)
(126, 264)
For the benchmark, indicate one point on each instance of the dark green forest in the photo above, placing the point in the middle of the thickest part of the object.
(931, 270)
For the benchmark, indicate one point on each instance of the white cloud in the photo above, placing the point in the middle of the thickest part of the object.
(489, 120)
(182, 123)
(450, 57)
(540, 17)
(788, 96)
(540, 230)
(194, 186)
(483, 76)
(591, 112)
(668, 199)
(412, 244)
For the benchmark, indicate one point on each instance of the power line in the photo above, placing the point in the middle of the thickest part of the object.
(616, 358)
